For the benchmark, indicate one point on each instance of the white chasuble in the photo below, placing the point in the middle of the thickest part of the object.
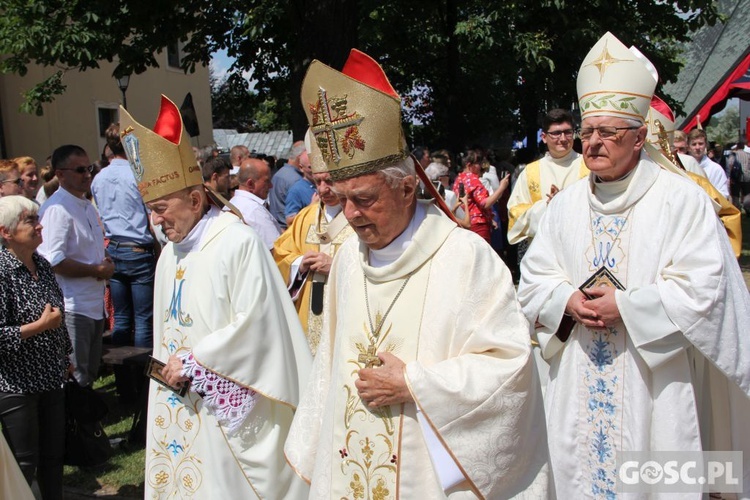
(633, 387)
(460, 331)
(225, 303)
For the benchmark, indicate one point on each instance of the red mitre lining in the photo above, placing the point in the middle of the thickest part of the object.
(169, 122)
(662, 107)
(365, 69)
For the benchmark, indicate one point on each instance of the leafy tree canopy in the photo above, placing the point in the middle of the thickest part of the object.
(725, 128)
(468, 70)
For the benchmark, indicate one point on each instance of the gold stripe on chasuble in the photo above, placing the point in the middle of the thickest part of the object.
(367, 441)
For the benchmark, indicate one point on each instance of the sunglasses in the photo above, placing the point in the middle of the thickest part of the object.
(18, 181)
(81, 169)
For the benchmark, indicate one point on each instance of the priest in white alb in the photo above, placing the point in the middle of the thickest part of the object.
(423, 385)
(638, 302)
(235, 354)
(541, 180)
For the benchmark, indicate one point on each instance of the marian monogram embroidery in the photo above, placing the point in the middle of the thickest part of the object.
(602, 406)
(607, 251)
(175, 306)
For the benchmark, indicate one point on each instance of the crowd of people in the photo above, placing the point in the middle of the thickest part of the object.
(344, 323)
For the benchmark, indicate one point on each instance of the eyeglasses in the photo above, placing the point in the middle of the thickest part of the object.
(557, 133)
(17, 181)
(604, 132)
(81, 169)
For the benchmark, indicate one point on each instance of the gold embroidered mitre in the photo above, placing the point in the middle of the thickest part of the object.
(615, 81)
(317, 164)
(162, 159)
(354, 116)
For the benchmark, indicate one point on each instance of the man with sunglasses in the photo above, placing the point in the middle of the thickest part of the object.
(543, 179)
(636, 297)
(10, 178)
(73, 242)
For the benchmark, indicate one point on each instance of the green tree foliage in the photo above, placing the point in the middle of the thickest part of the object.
(235, 105)
(468, 70)
(725, 128)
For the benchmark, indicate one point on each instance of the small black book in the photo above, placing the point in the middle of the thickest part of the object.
(600, 278)
(153, 371)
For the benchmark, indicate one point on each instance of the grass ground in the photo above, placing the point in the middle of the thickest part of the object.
(122, 476)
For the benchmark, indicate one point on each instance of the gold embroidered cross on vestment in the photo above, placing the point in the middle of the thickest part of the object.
(370, 358)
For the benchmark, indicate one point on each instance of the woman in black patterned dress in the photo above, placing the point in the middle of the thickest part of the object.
(34, 349)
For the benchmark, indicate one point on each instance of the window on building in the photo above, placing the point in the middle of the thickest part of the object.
(107, 116)
(174, 55)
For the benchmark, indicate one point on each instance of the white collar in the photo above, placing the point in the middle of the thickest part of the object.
(564, 161)
(394, 250)
(331, 211)
(193, 240)
(83, 202)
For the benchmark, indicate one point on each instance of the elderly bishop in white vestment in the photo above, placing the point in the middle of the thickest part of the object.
(224, 322)
(658, 357)
(423, 384)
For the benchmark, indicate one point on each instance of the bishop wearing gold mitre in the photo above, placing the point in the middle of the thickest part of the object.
(423, 385)
(224, 325)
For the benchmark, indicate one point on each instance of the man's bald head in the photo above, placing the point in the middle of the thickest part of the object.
(255, 177)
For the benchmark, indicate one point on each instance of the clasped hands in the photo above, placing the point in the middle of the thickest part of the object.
(384, 385)
(597, 313)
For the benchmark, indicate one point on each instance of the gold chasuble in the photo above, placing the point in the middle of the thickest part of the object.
(310, 232)
(448, 310)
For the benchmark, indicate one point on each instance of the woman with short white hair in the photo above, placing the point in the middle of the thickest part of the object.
(34, 349)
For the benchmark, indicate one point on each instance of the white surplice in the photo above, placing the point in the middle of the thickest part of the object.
(528, 200)
(224, 301)
(458, 327)
(643, 384)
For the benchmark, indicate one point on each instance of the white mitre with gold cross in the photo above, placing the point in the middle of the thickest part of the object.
(615, 81)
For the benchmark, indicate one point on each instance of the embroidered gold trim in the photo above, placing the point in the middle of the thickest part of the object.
(369, 167)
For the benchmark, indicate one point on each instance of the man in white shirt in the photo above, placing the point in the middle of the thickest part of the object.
(714, 172)
(74, 245)
(250, 199)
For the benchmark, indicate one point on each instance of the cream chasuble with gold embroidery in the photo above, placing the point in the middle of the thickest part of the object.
(641, 384)
(225, 302)
(459, 329)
